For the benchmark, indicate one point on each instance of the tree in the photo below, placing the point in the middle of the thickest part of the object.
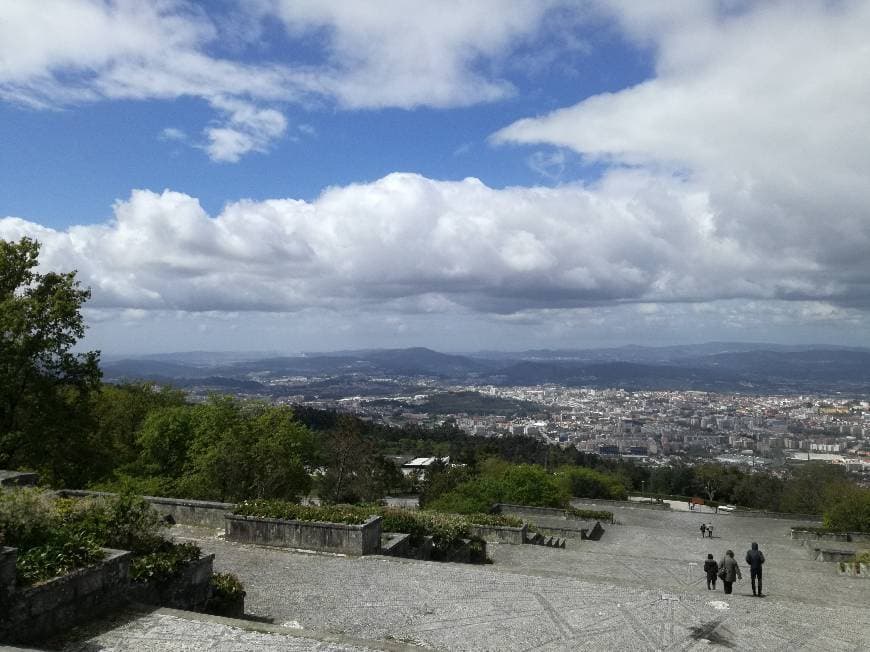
(44, 386)
(811, 487)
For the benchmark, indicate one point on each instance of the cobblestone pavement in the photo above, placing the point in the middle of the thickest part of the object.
(641, 588)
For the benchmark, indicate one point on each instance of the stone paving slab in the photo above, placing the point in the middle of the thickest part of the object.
(640, 588)
(170, 630)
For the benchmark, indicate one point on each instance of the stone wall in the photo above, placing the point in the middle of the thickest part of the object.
(501, 534)
(584, 530)
(811, 518)
(362, 539)
(810, 535)
(33, 613)
(585, 502)
(526, 511)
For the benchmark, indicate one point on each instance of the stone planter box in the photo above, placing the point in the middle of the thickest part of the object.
(31, 614)
(362, 539)
(501, 534)
(189, 590)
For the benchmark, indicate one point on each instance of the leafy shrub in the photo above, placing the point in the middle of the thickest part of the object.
(126, 522)
(226, 585)
(62, 553)
(26, 517)
(226, 592)
(863, 557)
(164, 563)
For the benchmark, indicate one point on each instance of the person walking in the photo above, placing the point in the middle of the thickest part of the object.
(729, 571)
(703, 530)
(710, 531)
(755, 559)
(711, 568)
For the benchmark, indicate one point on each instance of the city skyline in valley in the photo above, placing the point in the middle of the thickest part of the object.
(293, 176)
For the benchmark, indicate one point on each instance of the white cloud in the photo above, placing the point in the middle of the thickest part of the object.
(64, 52)
(763, 109)
(413, 244)
(396, 53)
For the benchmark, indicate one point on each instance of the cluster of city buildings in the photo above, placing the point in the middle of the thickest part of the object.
(652, 425)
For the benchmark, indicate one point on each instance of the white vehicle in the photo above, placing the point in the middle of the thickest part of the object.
(727, 508)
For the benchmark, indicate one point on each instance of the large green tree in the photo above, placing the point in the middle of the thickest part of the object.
(44, 385)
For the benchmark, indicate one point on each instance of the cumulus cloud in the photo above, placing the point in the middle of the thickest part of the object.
(763, 108)
(419, 245)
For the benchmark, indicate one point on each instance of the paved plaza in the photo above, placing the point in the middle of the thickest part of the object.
(641, 588)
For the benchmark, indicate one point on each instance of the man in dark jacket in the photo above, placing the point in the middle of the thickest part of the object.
(755, 559)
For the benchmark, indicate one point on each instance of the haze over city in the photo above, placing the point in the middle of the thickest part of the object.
(297, 176)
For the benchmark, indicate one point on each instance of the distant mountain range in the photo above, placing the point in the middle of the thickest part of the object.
(716, 366)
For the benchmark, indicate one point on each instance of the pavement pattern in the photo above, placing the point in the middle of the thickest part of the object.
(641, 588)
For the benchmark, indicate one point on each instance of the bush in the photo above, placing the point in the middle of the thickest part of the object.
(126, 522)
(347, 514)
(27, 517)
(164, 563)
(226, 593)
(63, 553)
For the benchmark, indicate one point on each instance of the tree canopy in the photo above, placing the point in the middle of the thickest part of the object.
(44, 385)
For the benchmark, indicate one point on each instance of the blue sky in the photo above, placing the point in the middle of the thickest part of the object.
(318, 175)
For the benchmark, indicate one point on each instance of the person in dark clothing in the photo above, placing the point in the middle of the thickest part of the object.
(703, 530)
(755, 559)
(711, 568)
(729, 571)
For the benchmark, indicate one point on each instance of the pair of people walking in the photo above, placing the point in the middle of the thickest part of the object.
(729, 572)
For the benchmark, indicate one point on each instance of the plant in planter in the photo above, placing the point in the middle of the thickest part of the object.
(227, 596)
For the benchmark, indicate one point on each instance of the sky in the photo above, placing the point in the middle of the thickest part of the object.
(295, 175)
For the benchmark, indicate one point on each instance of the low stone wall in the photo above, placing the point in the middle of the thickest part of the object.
(592, 532)
(37, 612)
(810, 535)
(182, 510)
(583, 502)
(812, 518)
(362, 539)
(189, 590)
(527, 511)
(853, 569)
(501, 534)
(830, 554)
